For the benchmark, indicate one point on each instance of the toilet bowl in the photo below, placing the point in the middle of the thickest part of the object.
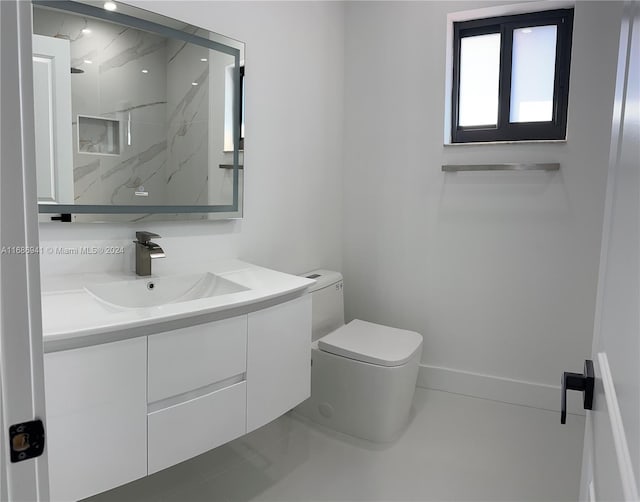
(363, 375)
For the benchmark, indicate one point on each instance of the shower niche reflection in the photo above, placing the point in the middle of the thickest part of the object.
(98, 135)
(135, 115)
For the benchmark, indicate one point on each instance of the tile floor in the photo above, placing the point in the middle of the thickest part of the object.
(455, 448)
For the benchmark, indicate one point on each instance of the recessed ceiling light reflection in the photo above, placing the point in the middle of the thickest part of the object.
(111, 6)
(86, 31)
(204, 60)
(145, 71)
(194, 83)
(88, 61)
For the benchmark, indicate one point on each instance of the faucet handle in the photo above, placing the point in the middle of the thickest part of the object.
(144, 237)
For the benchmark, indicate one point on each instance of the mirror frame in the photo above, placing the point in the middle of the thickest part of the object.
(135, 17)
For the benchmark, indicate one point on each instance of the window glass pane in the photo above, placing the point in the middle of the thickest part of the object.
(479, 70)
(532, 74)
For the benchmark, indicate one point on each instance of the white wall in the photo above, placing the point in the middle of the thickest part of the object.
(293, 164)
(498, 271)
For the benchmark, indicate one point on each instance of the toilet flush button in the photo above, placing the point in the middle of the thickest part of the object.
(326, 410)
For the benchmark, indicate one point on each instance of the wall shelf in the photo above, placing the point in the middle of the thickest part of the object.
(454, 168)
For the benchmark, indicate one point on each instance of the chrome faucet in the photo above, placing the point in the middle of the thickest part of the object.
(146, 251)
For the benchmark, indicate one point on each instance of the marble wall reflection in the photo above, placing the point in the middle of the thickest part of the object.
(187, 121)
(158, 90)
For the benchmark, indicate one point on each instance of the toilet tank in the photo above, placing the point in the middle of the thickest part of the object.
(327, 302)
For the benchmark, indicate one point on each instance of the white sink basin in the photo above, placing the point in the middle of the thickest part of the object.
(153, 292)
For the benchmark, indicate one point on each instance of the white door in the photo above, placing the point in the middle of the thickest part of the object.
(52, 108)
(611, 460)
(21, 368)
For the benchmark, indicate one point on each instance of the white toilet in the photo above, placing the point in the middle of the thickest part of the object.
(363, 375)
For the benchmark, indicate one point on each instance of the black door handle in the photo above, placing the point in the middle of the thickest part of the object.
(578, 381)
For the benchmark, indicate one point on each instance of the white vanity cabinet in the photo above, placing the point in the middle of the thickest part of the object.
(96, 417)
(121, 410)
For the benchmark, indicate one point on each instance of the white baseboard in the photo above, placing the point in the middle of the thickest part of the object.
(507, 390)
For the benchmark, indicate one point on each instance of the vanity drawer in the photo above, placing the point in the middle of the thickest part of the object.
(189, 358)
(188, 429)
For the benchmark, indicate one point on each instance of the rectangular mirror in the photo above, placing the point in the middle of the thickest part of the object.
(138, 116)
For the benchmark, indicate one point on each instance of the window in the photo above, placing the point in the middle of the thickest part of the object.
(511, 77)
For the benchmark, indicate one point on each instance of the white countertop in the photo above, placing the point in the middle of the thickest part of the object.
(72, 317)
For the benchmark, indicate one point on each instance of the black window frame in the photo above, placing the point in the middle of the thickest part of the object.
(515, 131)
